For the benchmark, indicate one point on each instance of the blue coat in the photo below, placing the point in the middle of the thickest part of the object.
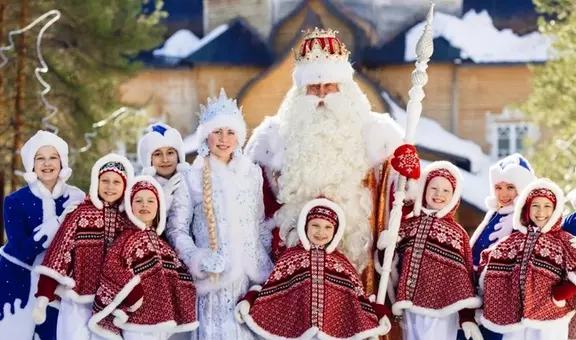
(24, 210)
(569, 223)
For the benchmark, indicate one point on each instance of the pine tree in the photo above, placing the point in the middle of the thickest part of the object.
(552, 105)
(89, 52)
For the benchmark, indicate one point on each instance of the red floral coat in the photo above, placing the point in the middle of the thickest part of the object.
(71, 267)
(313, 292)
(143, 287)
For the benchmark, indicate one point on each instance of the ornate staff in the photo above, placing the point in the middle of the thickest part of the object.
(424, 50)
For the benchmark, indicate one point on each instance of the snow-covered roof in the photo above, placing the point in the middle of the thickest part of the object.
(179, 45)
(478, 40)
(209, 37)
(433, 136)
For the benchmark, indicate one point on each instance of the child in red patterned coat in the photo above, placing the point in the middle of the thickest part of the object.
(145, 292)
(71, 267)
(529, 278)
(436, 291)
(314, 292)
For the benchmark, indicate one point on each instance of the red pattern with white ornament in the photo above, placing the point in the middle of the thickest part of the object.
(166, 289)
(436, 271)
(406, 161)
(511, 295)
(314, 289)
(78, 248)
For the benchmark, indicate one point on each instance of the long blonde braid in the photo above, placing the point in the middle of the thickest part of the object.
(209, 207)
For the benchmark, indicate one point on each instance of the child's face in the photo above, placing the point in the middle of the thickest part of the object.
(47, 164)
(165, 161)
(320, 232)
(541, 209)
(505, 193)
(438, 193)
(222, 142)
(110, 187)
(145, 206)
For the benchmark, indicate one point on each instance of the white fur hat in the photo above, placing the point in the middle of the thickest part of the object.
(40, 139)
(160, 136)
(302, 220)
(221, 112)
(322, 58)
(513, 169)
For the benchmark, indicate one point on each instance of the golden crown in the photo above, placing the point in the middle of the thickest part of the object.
(320, 44)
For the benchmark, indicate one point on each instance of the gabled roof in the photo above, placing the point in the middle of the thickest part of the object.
(360, 38)
(236, 43)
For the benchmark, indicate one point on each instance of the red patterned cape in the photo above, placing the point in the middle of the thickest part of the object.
(518, 284)
(312, 293)
(436, 273)
(75, 256)
(142, 270)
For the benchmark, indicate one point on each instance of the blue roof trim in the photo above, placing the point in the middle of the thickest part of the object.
(239, 45)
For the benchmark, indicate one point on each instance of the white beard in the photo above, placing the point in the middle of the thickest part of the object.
(326, 155)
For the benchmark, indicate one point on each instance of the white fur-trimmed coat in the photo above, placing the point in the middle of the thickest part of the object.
(239, 210)
(381, 133)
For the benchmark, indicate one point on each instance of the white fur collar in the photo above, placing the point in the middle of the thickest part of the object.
(239, 164)
(40, 191)
(507, 210)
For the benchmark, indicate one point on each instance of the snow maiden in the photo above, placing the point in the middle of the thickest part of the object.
(314, 292)
(32, 215)
(529, 278)
(145, 293)
(71, 267)
(436, 292)
(224, 205)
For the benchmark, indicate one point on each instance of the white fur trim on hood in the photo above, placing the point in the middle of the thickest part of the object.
(161, 204)
(513, 169)
(422, 183)
(322, 72)
(40, 139)
(159, 136)
(111, 157)
(541, 183)
(302, 222)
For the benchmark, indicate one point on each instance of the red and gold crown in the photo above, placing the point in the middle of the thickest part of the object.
(320, 44)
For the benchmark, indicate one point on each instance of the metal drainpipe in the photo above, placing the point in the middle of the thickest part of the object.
(454, 114)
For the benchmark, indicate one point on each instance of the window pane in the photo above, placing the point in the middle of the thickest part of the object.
(521, 132)
(503, 141)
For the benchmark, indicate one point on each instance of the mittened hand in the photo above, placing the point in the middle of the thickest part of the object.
(47, 229)
(406, 161)
(386, 239)
(472, 331)
(173, 184)
(39, 312)
(212, 262)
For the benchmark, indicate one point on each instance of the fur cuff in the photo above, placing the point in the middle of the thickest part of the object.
(561, 303)
(194, 261)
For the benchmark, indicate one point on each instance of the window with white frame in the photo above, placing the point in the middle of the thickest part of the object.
(507, 133)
